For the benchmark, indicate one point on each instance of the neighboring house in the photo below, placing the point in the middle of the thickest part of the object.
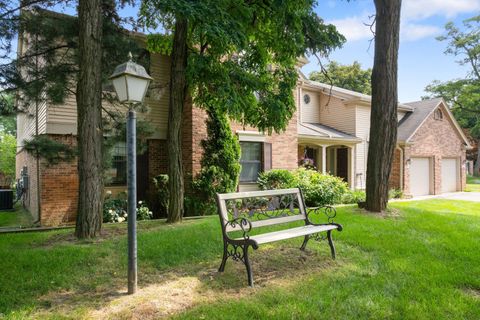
(331, 126)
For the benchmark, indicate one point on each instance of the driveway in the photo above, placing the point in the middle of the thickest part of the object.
(466, 196)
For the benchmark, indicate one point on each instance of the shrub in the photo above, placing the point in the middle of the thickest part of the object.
(395, 194)
(143, 213)
(354, 196)
(115, 209)
(276, 179)
(318, 189)
(159, 199)
(220, 165)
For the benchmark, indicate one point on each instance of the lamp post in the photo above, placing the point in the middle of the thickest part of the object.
(131, 81)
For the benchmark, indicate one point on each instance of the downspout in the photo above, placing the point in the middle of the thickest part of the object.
(37, 155)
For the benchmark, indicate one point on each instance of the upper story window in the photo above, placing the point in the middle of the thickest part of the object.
(250, 161)
(438, 114)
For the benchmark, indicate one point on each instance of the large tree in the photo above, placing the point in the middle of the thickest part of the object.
(463, 95)
(89, 114)
(351, 77)
(383, 119)
(238, 57)
(59, 61)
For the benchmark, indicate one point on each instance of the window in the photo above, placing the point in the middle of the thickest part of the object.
(117, 172)
(438, 115)
(250, 161)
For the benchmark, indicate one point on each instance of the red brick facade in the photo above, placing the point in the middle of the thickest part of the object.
(395, 181)
(435, 139)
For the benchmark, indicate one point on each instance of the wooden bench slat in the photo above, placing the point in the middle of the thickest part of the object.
(290, 233)
(253, 194)
(269, 222)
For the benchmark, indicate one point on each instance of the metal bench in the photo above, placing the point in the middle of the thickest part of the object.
(244, 211)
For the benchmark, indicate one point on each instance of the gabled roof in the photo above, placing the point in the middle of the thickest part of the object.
(316, 130)
(412, 121)
(348, 96)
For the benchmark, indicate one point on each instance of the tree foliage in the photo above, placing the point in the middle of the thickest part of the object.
(463, 95)
(8, 121)
(8, 148)
(242, 54)
(351, 77)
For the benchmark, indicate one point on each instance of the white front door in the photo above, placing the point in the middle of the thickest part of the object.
(449, 175)
(420, 176)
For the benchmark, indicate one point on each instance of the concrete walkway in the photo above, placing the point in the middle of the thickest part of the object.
(466, 196)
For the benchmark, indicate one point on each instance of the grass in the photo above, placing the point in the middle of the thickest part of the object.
(18, 217)
(473, 184)
(419, 261)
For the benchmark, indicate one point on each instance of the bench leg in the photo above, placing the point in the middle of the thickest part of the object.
(247, 265)
(330, 242)
(305, 241)
(225, 257)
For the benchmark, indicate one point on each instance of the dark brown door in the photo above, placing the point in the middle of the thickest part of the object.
(142, 176)
(342, 163)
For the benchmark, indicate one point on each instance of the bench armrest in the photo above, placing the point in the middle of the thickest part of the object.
(328, 211)
(244, 224)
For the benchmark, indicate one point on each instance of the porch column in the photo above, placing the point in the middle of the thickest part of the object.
(352, 166)
(324, 158)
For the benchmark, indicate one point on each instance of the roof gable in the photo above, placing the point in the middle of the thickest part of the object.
(422, 110)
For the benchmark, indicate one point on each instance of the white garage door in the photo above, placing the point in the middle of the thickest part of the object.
(449, 175)
(420, 176)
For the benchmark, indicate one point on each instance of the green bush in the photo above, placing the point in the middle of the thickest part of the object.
(354, 196)
(159, 199)
(220, 165)
(276, 179)
(115, 209)
(395, 194)
(318, 189)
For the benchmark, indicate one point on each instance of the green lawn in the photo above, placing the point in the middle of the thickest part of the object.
(421, 261)
(473, 184)
(19, 217)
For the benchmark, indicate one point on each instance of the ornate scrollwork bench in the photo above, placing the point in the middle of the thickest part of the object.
(244, 211)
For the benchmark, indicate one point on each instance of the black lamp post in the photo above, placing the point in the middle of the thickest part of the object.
(131, 81)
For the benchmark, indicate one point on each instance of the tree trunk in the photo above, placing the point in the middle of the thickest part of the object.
(476, 167)
(383, 127)
(178, 89)
(90, 132)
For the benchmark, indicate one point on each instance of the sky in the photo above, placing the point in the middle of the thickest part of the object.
(421, 56)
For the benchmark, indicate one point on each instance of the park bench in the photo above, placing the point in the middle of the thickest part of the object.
(243, 212)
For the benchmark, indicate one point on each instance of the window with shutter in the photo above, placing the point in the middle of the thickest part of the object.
(250, 161)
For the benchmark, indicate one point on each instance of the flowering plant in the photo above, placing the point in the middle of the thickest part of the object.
(115, 210)
(143, 213)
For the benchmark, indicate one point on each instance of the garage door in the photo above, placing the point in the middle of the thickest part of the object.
(449, 175)
(420, 176)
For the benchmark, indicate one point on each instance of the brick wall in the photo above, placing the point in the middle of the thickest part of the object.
(395, 175)
(436, 139)
(59, 188)
(24, 159)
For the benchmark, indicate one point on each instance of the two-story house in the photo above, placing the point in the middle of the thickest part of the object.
(331, 126)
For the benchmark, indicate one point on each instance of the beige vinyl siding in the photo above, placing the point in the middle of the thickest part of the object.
(62, 119)
(26, 122)
(362, 120)
(159, 96)
(310, 112)
(334, 113)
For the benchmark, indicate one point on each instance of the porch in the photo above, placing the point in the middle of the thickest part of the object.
(330, 150)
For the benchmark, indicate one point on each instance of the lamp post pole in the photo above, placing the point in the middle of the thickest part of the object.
(131, 81)
(132, 199)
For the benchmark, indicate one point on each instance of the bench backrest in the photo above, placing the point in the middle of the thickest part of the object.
(262, 208)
